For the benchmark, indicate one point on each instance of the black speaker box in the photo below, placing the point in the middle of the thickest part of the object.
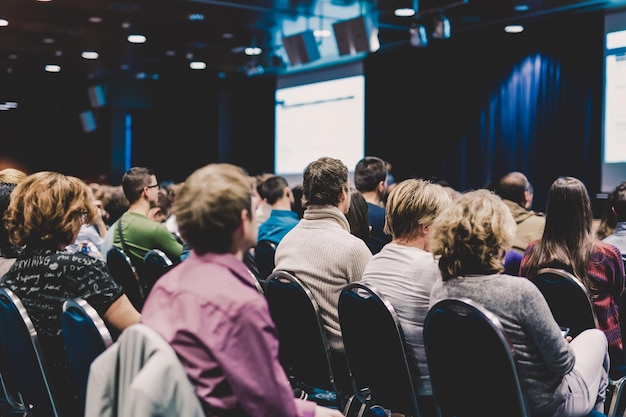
(354, 36)
(301, 48)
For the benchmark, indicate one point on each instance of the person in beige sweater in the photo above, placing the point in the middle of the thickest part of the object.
(321, 251)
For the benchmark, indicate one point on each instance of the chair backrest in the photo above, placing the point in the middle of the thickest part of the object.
(376, 350)
(24, 357)
(567, 298)
(125, 274)
(155, 264)
(85, 336)
(304, 351)
(470, 361)
(264, 257)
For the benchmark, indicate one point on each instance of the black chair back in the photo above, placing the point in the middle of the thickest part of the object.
(376, 349)
(125, 274)
(470, 361)
(155, 264)
(85, 336)
(567, 298)
(303, 348)
(264, 257)
(24, 357)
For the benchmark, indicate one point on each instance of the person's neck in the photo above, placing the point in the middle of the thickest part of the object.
(416, 242)
(140, 208)
(282, 204)
(372, 197)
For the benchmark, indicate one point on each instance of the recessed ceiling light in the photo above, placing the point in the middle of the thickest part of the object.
(125, 25)
(90, 55)
(227, 35)
(170, 53)
(253, 51)
(95, 19)
(513, 28)
(195, 16)
(136, 38)
(48, 40)
(197, 65)
(52, 68)
(4, 22)
(404, 12)
(521, 8)
(321, 33)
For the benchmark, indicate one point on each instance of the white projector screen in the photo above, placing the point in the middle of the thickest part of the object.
(320, 114)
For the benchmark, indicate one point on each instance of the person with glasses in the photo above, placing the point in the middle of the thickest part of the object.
(134, 232)
(45, 213)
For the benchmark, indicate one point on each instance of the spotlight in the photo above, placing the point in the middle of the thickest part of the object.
(417, 35)
(441, 27)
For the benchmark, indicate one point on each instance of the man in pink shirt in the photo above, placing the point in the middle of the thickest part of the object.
(210, 310)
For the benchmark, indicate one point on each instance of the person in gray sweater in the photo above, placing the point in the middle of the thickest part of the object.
(558, 378)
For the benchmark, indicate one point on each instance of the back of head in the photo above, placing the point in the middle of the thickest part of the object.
(323, 182)
(369, 172)
(161, 210)
(513, 186)
(44, 209)
(114, 203)
(12, 175)
(6, 248)
(619, 202)
(357, 215)
(272, 189)
(568, 236)
(472, 234)
(134, 181)
(209, 204)
(413, 203)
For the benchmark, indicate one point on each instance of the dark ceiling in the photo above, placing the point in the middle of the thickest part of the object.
(58, 31)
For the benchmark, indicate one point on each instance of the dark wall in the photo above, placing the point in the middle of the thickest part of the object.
(432, 112)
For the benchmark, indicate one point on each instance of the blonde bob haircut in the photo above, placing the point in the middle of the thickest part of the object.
(44, 208)
(413, 203)
(209, 204)
(472, 234)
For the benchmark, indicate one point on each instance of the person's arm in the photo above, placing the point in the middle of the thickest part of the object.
(121, 314)
(168, 244)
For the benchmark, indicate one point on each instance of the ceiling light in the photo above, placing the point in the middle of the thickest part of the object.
(253, 51)
(321, 33)
(404, 12)
(90, 55)
(136, 38)
(514, 28)
(4, 22)
(195, 16)
(48, 40)
(197, 65)
(521, 8)
(52, 68)
(95, 19)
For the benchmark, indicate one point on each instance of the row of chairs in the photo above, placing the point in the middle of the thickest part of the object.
(25, 374)
(137, 280)
(469, 355)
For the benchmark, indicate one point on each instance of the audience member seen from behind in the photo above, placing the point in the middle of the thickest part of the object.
(617, 207)
(276, 192)
(8, 251)
(138, 233)
(12, 175)
(370, 178)
(558, 378)
(608, 222)
(516, 192)
(46, 212)
(405, 271)
(297, 204)
(221, 328)
(568, 242)
(160, 211)
(91, 236)
(322, 252)
(357, 216)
